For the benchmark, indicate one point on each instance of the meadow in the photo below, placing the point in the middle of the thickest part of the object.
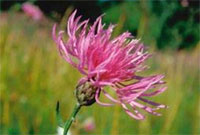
(33, 77)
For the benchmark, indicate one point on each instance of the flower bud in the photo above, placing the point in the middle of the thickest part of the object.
(85, 93)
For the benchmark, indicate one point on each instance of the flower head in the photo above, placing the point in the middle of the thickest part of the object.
(32, 11)
(89, 124)
(109, 62)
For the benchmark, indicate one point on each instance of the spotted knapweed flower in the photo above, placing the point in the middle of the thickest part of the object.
(107, 61)
(33, 11)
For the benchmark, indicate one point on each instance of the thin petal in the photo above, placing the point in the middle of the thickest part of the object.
(158, 106)
(110, 97)
(99, 102)
(138, 116)
(155, 93)
(146, 108)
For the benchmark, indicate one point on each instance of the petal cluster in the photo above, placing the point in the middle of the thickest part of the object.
(33, 11)
(107, 61)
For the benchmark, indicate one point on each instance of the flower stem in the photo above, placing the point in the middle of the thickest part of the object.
(71, 119)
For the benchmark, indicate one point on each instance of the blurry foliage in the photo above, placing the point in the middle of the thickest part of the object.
(166, 24)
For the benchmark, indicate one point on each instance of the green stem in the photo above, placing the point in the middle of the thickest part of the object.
(71, 119)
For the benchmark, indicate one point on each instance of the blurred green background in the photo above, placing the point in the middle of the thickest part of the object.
(33, 77)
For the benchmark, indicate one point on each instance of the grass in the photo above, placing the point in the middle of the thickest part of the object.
(33, 77)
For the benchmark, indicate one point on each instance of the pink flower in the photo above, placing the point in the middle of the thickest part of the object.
(89, 124)
(110, 62)
(32, 11)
